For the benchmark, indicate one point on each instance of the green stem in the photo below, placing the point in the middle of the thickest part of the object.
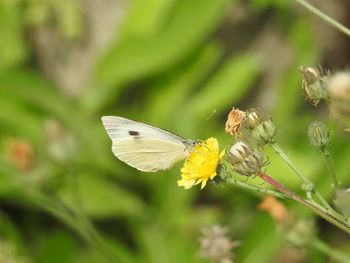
(325, 17)
(329, 162)
(339, 222)
(249, 187)
(331, 252)
(278, 149)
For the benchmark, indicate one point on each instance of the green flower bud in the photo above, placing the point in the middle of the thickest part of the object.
(265, 132)
(253, 118)
(315, 84)
(318, 134)
(308, 186)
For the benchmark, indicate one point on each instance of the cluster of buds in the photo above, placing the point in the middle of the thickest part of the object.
(319, 84)
(244, 159)
(314, 83)
(260, 128)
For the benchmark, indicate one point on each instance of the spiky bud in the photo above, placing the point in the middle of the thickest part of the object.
(244, 159)
(261, 128)
(318, 134)
(314, 83)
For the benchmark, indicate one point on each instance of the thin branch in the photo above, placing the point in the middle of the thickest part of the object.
(324, 17)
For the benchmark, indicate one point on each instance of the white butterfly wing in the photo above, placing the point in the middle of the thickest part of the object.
(143, 146)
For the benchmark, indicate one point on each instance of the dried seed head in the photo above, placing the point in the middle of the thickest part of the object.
(342, 201)
(314, 83)
(216, 246)
(339, 93)
(244, 159)
(234, 121)
(318, 134)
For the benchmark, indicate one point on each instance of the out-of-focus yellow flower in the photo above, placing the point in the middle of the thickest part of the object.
(234, 121)
(201, 165)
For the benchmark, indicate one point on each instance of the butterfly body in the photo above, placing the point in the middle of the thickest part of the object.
(145, 147)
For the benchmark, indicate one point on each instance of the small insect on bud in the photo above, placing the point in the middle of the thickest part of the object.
(244, 159)
(318, 134)
(342, 201)
(234, 121)
(339, 93)
(314, 83)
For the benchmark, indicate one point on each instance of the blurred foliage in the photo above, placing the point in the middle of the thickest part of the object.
(169, 63)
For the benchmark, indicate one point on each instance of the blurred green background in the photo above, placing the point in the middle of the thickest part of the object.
(169, 63)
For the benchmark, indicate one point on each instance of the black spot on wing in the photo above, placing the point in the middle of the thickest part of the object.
(134, 133)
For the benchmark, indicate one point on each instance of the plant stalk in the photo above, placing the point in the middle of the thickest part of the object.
(253, 188)
(279, 150)
(331, 252)
(324, 17)
(324, 214)
(335, 181)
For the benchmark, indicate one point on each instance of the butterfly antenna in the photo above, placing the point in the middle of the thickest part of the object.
(207, 119)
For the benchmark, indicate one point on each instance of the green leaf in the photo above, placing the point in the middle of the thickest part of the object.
(189, 24)
(56, 248)
(101, 198)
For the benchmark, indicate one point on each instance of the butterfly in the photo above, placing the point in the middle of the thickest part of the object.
(145, 147)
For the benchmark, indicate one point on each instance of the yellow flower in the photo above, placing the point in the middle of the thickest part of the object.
(201, 165)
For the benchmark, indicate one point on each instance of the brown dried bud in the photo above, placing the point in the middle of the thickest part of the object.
(234, 121)
(276, 208)
(20, 153)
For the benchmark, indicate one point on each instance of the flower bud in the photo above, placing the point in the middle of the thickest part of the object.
(234, 121)
(339, 93)
(318, 134)
(261, 128)
(254, 118)
(265, 132)
(314, 83)
(342, 201)
(244, 159)
(308, 187)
